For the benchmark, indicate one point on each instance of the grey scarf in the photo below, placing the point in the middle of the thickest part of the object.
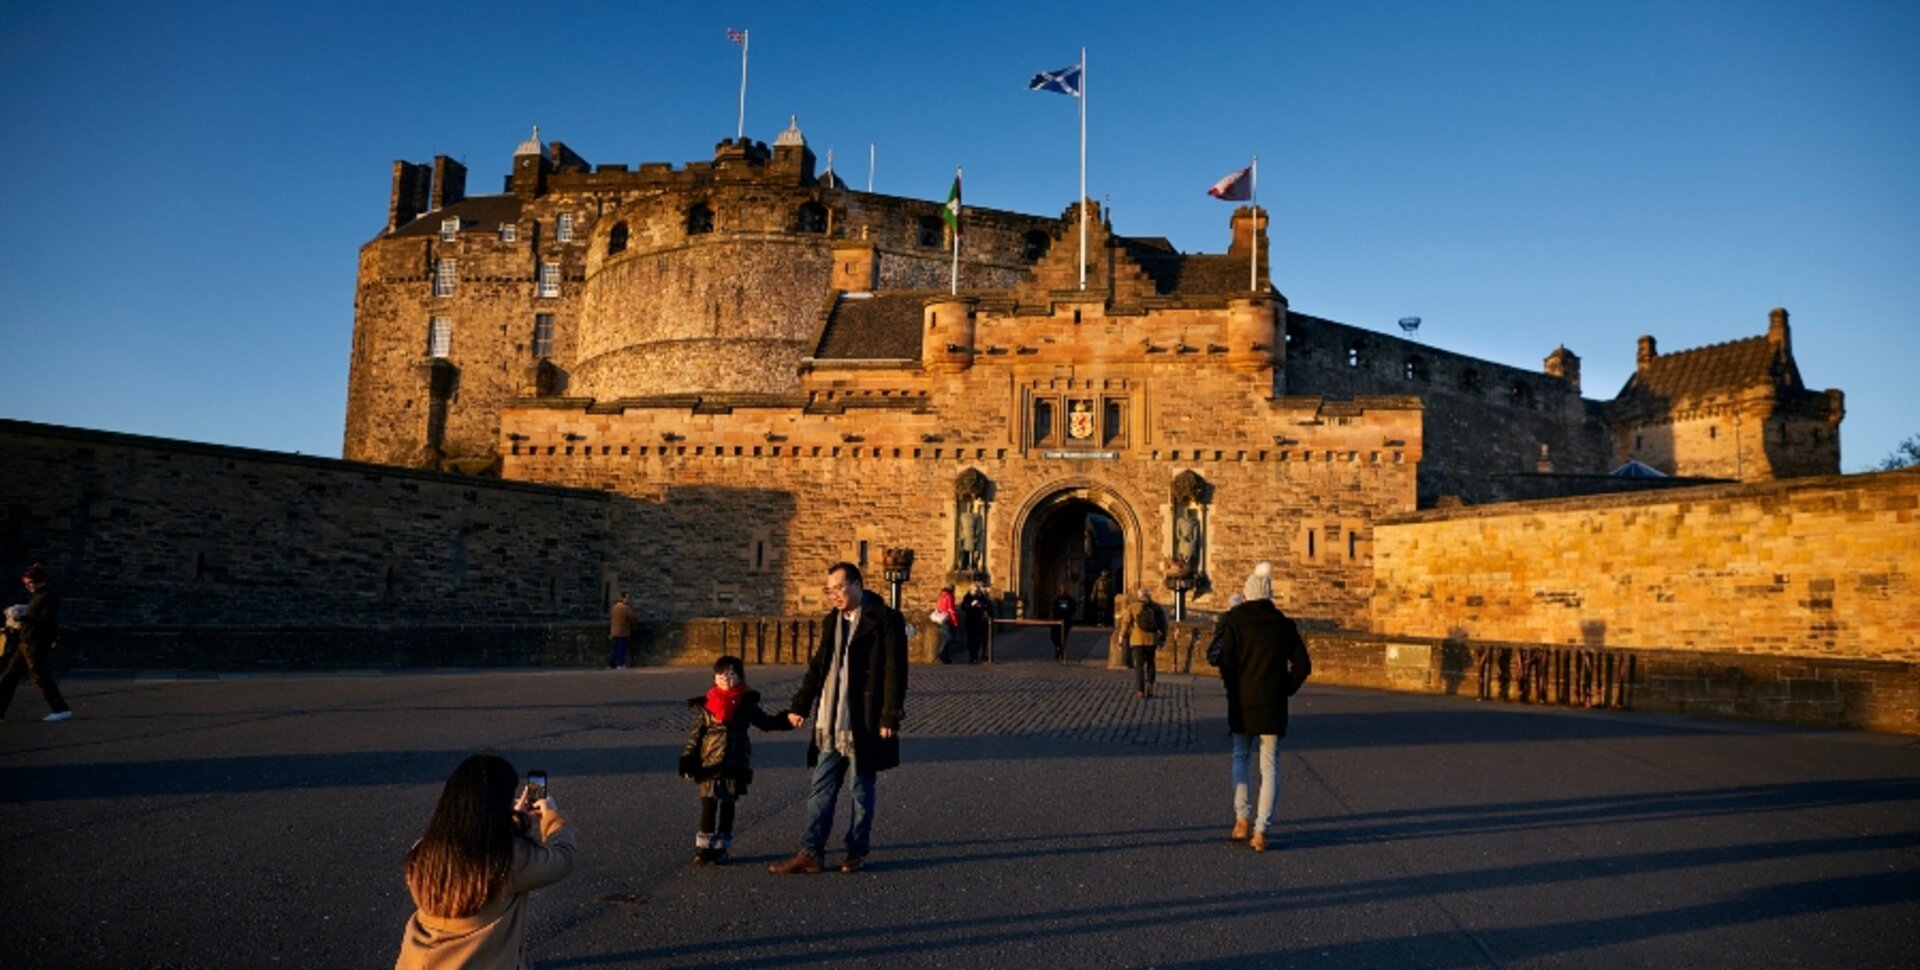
(833, 722)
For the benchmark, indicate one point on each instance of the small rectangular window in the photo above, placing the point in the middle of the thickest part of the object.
(543, 335)
(439, 337)
(1043, 423)
(563, 228)
(549, 279)
(444, 273)
(509, 232)
(448, 227)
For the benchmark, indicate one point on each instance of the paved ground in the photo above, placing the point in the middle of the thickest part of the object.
(1043, 818)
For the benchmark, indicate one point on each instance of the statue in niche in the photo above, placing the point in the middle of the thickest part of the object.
(1186, 535)
(970, 521)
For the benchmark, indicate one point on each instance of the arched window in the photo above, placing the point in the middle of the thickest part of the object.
(812, 217)
(617, 238)
(1415, 368)
(929, 234)
(699, 220)
(1034, 245)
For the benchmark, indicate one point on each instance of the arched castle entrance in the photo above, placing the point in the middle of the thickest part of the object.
(1068, 533)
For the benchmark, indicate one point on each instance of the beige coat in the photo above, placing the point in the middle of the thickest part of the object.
(496, 936)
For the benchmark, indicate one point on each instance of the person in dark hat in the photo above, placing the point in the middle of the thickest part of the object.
(29, 654)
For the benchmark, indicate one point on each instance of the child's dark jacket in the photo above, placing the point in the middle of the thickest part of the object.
(721, 755)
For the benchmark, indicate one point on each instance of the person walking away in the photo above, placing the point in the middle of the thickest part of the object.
(855, 690)
(1062, 611)
(484, 852)
(620, 631)
(718, 754)
(1146, 631)
(36, 630)
(976, 611)
(1263, 662)
(1120, 642)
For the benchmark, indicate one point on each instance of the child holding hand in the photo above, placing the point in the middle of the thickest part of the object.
(719, 755)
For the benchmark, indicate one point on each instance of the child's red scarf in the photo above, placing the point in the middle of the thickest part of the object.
(722, 703)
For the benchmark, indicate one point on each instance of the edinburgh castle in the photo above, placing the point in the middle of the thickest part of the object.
(752, 336)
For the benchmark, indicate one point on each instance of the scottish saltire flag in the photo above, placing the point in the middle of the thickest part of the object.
(1063, 81)
(952, 212)
(737, 36)
(1237, 187)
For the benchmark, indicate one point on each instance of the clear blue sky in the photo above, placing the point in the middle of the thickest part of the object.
(185, 187)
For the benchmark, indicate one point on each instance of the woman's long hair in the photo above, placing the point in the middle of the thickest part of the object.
(464, 859)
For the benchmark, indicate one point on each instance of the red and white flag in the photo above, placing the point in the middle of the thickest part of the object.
(1237, 187)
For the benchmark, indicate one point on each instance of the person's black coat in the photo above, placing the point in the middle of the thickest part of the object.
(719, 751)
(876, 683)
(1263, 661)
(40, 624)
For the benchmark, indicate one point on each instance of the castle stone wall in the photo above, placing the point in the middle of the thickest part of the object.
(1815, 567)
(147, 535)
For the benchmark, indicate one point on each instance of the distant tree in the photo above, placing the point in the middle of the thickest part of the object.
(1905, 454)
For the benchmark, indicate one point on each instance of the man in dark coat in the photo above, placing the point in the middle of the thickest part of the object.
(855, 691)
(31, 655)
(1263, 661)
(977, 613)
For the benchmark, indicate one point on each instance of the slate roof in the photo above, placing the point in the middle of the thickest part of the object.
(1176, 274)
(878, 327)
(1713, 369)
(481, 213)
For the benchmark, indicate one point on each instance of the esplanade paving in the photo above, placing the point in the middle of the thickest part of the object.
(1043, 817)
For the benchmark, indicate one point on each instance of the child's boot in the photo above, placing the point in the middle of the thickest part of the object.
(703, 849)
(717, 854)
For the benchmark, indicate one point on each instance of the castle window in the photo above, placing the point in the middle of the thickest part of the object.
(1470, 381)
(563, 228)
(1043, 424)
(1520, 395)
(543, 335)
(1415, 368)
(439, 337)
(1713, 431)
(444, 273)
(931, 232)
(549, 279)
(448, 227)
(617, 238)
(1114, 424)
(509, 232)
(1034, 245)
(812, 217)
(699, 220)
(1356, 354)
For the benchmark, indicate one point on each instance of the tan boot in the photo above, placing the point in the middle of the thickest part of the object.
(1258, 843)
(1241, 829)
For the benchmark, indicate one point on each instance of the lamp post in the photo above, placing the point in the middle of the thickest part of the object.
(1180, 579)
(897, 566)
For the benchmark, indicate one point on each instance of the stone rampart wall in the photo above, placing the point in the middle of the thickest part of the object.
(1814, 567)
(170, 540)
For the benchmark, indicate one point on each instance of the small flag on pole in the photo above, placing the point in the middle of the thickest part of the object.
(737, 36)
(952, 212)
(1237, 187)
(1063, 81)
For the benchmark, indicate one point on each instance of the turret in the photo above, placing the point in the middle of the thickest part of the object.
(947, 342)
(1564, 364)
(1253, 334)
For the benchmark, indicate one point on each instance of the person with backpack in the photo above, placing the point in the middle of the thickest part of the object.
(1146, 632)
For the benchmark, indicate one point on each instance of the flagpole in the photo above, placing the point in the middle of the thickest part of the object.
(873, 155)
(1253, 226)
(957, 205)
(1083, 168)
(741, 132)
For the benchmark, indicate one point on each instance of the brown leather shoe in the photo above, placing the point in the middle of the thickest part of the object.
(853, 863)
(1258, 843)
(1242, 827)
(801, 863)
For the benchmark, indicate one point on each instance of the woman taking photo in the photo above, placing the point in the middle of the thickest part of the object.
(485, 849)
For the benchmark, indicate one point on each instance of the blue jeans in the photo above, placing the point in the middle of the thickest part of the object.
(619, 656)
(1243, 746)
(828, 772)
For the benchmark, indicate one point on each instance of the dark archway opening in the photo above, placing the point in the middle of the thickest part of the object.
(1073, 544)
